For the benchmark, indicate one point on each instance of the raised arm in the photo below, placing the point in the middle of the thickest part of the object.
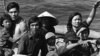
(92, 13)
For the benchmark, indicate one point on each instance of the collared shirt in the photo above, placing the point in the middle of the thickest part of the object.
(31, 44)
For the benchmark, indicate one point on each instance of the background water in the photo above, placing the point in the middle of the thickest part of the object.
(59, 8)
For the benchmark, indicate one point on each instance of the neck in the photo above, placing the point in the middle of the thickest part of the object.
(13, 18)
(6, 28)
(75, 29)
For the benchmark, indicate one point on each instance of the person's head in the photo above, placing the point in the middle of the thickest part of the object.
(74, 20)
(48, 21)
(50, 38)
(34, 23)
(13, 9)
(98, 43)
(85, 33)
(5, 21)
(60, 42)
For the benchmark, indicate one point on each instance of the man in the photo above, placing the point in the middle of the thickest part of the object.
(34, 40)
(18, 24)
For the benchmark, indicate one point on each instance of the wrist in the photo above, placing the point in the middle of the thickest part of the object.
(95, 6)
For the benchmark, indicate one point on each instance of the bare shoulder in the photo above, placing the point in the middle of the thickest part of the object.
(22, 26)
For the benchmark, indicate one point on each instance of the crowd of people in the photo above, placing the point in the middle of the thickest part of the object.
(37, 36)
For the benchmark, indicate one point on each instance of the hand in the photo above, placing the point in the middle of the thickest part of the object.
(80, 42)
(85, 44)
(97, 4)
(82, 29)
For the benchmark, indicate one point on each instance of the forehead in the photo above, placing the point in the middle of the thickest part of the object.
(6, 20)
(34, 23)
(60, 39)
(12, 10)
(77, 17)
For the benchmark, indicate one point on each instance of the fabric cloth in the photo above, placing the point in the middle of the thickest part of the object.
(14, 22)
(71, 35)
(52, 53)
(4, 38)
(30, 44)
(73, 38)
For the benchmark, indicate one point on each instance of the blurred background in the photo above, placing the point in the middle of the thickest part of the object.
(59, 8)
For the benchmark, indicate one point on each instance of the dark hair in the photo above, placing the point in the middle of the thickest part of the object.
(51, 41)
(48, 21)
(69, 24)
(13, 5)
(34, 19)
(98, 41)
(5, 17)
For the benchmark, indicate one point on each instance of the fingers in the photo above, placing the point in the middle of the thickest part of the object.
(85, 45)
(97, 4)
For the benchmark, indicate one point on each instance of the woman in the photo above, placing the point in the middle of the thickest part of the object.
(74, 35)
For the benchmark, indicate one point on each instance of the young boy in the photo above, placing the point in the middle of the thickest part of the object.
(56, 45)
(51, 39)
(5, 44)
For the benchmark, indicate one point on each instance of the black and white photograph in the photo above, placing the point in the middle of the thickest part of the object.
(49, 27)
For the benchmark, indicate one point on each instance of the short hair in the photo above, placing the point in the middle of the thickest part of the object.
(4, 17)
(34, 19)
(51, 41)
(13, 5)
(49, 21)
(98, 41)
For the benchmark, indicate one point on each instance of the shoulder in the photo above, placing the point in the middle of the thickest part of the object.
(19, 19)
(21, 26)
(24, 37)
(84, 23)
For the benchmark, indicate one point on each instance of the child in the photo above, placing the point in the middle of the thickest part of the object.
(56, 45)
(97, 52)
(51, 39)
(5, 44)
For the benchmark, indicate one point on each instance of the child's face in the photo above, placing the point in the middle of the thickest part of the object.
(60, 42)
(6, 23)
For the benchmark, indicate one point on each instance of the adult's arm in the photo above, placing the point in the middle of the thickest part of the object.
(19, 31)
(22, 45)
(92, 13)
(72, 45)
(62, 29)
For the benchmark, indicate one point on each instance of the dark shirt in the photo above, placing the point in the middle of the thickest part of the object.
(13, 26)
(31, 44)
(71, 35)
(4, 37)
(78, 50)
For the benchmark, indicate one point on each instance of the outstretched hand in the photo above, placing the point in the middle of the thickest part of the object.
(97, 4)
